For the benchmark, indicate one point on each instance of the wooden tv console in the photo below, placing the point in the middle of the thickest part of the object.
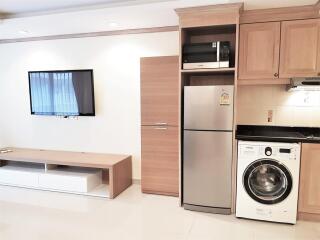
(93, 174)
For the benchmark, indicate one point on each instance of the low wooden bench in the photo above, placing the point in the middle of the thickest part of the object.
(66, 168)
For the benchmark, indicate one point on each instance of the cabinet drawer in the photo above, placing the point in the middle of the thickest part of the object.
(71, 180)
(18, 177)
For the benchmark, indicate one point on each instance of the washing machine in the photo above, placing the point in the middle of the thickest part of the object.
(268, 181)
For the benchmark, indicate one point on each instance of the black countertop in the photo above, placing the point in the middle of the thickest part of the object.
(277, 133)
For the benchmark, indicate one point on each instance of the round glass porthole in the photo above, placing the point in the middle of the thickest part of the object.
(267, 181)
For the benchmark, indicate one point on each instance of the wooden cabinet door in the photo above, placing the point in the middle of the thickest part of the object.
(160, 90)
(259, 51)
(160, 160)
(309, 193)
(299, 48)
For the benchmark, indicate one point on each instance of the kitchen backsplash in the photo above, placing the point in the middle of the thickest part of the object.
(258, 104)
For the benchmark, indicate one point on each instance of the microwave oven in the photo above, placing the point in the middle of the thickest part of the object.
(206, 55)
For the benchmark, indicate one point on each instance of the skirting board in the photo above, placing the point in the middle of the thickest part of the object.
(308, 217)
(136, 181)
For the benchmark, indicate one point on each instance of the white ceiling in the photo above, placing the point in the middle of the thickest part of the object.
(55, 17)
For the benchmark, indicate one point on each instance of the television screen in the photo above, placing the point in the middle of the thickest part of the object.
(62, 93)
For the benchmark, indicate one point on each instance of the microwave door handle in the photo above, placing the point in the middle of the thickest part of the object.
(218, 51)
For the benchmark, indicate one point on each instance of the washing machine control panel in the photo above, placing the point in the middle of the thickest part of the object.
(268, 151)
(279, 152)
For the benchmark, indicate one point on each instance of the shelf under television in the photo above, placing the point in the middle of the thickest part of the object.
(65, 179)
(92, 174)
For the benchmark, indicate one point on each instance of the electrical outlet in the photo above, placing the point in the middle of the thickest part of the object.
(270, 116)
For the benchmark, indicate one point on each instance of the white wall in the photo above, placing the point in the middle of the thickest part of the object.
(295, 108)
(116, 64)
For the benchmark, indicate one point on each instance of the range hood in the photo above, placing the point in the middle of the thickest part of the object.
(306, 83)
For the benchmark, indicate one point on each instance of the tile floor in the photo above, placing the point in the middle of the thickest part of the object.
(30, 214)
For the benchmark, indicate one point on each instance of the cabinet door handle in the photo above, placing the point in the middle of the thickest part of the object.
(161, 123)
(276, 75)
(160, 128)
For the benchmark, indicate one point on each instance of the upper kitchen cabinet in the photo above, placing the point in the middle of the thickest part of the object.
(279, 43)
(300, 47)
(160, 91)
(259, 51)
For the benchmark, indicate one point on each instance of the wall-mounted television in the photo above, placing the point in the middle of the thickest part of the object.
(62, 93)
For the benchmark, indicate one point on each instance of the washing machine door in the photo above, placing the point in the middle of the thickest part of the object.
(267, 181)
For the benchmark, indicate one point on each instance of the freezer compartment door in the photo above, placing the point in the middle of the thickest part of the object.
(208, 107)
(207, 168)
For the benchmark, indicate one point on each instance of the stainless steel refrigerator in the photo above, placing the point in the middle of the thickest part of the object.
(207, 148)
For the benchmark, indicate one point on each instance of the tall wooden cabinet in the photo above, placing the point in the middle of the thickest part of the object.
(300, 48)
(160, 125)
(259, 51)
(209, 24)
(309, 193)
